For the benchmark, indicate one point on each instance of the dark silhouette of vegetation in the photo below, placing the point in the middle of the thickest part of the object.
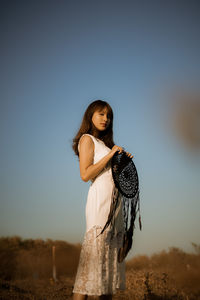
(166, 273)
(196, 248)
(33, 258)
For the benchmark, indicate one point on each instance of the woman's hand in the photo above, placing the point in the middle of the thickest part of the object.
(116, 148)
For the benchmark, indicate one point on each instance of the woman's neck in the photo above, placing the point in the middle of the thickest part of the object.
(96, 134)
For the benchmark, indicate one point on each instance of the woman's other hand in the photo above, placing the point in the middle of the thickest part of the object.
(129, 154)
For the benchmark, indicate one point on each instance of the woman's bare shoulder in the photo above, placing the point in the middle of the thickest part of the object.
(86, 141)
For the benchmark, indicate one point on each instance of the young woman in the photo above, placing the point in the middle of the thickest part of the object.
(99, 273)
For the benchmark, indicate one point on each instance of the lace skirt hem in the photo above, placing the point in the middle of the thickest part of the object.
(99, 272)
(102, 292)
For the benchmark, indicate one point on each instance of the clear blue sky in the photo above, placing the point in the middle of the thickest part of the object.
(56, 58)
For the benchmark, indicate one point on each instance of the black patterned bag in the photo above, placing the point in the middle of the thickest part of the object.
(126, 181)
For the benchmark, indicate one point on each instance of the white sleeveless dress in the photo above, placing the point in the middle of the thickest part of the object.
(99, 272)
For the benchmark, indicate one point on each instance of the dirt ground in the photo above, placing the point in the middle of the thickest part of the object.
(139, 285)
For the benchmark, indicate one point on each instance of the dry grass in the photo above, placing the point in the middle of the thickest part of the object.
(26, 272)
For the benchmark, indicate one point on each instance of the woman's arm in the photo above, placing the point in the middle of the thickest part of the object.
(88, 170)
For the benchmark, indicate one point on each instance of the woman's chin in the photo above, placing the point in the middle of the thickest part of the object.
(102, 128)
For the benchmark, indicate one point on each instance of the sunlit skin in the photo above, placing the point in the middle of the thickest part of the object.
(88, 170)
(101, 121)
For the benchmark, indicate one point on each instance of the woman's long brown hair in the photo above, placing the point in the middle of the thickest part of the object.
(87, 125)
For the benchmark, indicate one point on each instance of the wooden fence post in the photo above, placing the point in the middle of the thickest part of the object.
(54, 263)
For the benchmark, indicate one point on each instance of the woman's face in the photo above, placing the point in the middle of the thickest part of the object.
(101, 119)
